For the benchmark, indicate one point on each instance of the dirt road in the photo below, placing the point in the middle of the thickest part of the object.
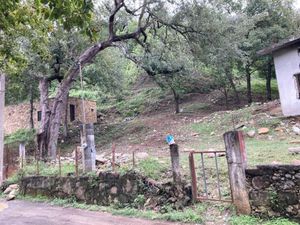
(22, 212)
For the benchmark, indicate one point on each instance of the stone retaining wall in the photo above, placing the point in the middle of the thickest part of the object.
(108, 188)
(274, 190)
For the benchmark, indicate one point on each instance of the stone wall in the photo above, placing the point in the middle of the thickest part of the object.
(18, 116)
(107, 188)
(274, 190)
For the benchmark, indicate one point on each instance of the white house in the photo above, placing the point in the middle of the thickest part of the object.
(286, 56)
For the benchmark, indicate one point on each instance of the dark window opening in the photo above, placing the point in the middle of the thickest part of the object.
(92, 110)
(297, 82)
(39, 115)
(72, 113)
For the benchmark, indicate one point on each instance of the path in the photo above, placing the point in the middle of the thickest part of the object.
(22, 212)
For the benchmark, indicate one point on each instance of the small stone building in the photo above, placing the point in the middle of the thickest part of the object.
(286, 56)
(18, 116)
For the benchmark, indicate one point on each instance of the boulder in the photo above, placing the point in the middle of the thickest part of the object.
(251, 133)
(296, 130)
(263, 130)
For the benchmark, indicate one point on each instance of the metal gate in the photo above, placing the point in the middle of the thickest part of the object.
(200, 189)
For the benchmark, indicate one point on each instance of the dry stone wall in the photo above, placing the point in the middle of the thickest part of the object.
(108, 188)
(274, 190)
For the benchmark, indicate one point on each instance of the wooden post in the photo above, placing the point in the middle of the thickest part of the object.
(193, 176)
(113, 157)
(175, 163)
(2, 103)
(88, 149)
(236, 156)
(22, 154)
(76, 160)
(133, 159)
(59, 162)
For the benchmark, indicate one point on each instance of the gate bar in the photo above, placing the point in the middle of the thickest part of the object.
(204, 175)
(218, 176)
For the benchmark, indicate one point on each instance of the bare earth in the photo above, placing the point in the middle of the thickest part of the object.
(22, 212)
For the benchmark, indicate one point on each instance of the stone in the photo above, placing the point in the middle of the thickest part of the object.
(297, 175)
(296, 130)
(141, 155)
(12, 195)
(288, 185)
(260, 182)
(10, 188)
(251, 133)
(296, 162)
(263, 130)
(114, 190)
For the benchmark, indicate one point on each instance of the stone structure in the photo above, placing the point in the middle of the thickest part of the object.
(287, 59)
(108, 188)
(274, 190)
(18, 116)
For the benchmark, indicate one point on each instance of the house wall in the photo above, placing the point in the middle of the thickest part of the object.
(286, 65)
(18, 116)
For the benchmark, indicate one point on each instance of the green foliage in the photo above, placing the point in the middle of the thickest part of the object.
(250, 220)
(22, 135)
(152, 168)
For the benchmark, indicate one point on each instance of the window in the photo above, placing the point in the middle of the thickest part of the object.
(72, 113)
(92, 110)
(297, 84)
(39, 115)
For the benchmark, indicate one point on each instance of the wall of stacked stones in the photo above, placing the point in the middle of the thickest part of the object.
(274, 190)
(107, 188)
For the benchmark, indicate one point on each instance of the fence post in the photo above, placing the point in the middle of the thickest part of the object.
(2, 100)
(22, 154)
(89, 149)
(59, 162)
(236, 158)
(113, 157)
(175, 163)
(76, 160)
(193, 176)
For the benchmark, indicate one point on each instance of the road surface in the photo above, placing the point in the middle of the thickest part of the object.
(19, 212)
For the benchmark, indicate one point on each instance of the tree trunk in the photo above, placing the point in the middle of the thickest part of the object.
(31, 107)
(176, 100)
(268, 81)
(65, 122)
(42, 138)
(249, 88)
(232, 84)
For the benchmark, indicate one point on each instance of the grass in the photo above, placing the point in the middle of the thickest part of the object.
(44, 170)
(152, 168)
(250, 220)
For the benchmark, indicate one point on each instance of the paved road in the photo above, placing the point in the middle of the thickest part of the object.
(21, 212)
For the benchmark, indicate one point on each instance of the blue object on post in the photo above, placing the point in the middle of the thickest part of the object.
(170, 139)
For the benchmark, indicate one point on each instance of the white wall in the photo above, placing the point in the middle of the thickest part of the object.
(286, 65)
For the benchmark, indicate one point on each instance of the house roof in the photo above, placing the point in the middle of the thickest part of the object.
(275, 47)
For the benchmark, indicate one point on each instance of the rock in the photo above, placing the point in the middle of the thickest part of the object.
(288, 185)
(11, 188)
(12, 195)
(296, 162)
(195, 134)
(294, 150)
(263, 130)
(251, 133)
(296, 130)
(260, 183)
(114, 190)
(141, 155)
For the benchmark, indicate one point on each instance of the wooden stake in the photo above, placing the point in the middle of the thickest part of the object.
(59, 162)
(175, 163)
(76, 160)
(133, 159)
(2, 103)
(236, 158)
(113, 161)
